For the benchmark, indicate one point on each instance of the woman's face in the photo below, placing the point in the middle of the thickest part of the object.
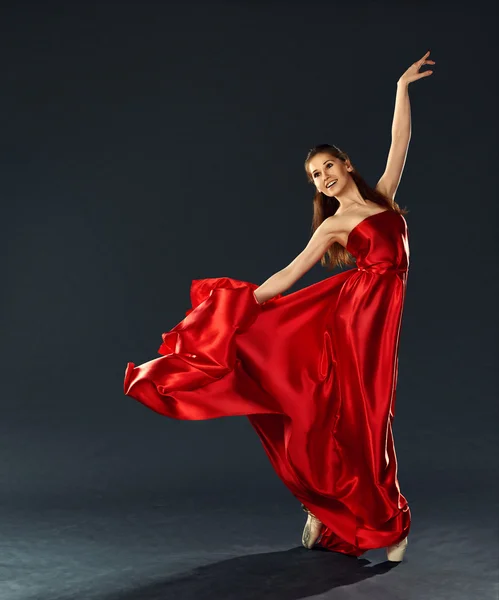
(329, 174)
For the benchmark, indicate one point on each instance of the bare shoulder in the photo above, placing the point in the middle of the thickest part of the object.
(338, 227)
(333, 226)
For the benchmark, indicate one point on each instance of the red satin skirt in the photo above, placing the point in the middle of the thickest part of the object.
(315, 372)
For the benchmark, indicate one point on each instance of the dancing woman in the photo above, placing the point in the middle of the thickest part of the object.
(315, 371)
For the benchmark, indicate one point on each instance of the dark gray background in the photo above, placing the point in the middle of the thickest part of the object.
(148, 144)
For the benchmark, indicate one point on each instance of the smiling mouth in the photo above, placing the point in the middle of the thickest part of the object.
(330, 185)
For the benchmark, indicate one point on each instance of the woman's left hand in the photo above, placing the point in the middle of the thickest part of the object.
(412, 73)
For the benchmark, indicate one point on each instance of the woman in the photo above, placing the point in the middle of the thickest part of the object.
(314, 371)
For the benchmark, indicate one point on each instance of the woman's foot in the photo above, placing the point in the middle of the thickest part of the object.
(396, 552)
(312, 530)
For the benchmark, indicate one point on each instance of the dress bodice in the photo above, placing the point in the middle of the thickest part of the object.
(380, 243)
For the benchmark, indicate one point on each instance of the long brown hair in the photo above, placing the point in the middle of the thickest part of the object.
(324, 206)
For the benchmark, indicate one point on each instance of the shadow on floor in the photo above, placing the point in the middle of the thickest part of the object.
(285, 575)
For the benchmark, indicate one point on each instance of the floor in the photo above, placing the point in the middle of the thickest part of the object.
(95, 547)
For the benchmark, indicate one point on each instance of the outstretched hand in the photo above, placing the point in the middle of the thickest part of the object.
(412, 73)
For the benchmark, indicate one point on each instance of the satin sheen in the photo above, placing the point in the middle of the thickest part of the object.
(315, 371)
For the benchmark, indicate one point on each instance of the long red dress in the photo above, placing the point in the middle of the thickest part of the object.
(315, 371)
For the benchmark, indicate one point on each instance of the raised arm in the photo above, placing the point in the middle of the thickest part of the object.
(401, 129)
(281, 281)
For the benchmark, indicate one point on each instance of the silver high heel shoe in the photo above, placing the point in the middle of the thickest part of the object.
(396, 552)
(312, 530)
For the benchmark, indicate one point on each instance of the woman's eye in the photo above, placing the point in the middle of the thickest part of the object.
(316, 175)
(329, 165)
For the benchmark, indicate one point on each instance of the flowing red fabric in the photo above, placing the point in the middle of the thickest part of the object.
(315, 371)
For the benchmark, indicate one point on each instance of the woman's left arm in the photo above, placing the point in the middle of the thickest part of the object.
(401, 129)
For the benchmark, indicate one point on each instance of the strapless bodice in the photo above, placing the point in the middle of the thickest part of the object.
(380, 243)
